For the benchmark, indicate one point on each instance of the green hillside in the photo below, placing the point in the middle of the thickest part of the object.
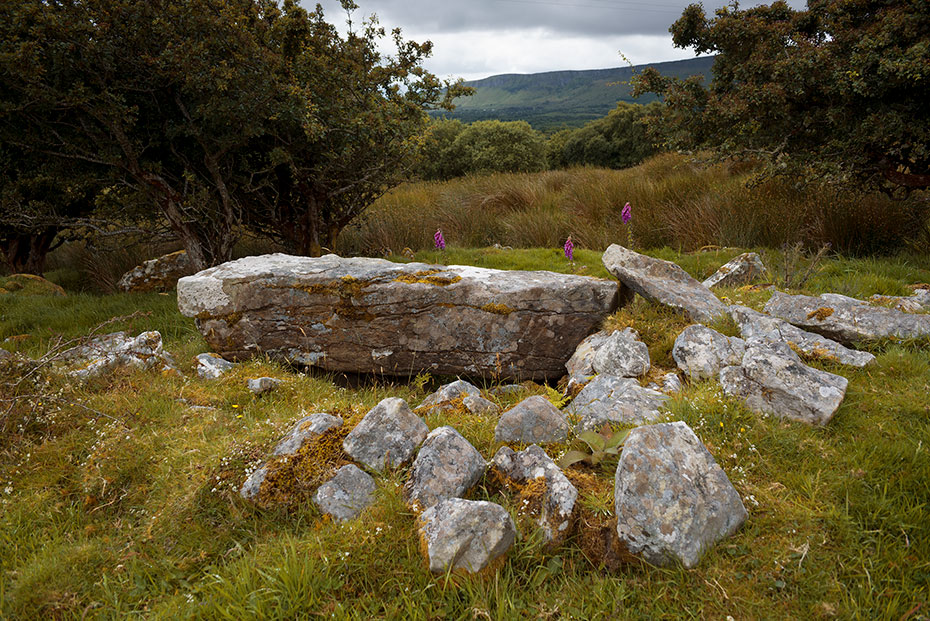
(561, 98)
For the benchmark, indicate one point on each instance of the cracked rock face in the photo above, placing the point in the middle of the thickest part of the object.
(159, 274)
(672, 500)
(388, 436)
(370, 315)
(740, 270)
(107, 353)
(701, 352)
(663, 282)
(756, 327)
(447, 466)
(611, 399)
(846, 319)
(555, 515)
(622, 354)
(211, 366)
(347, 494)
(465, 534)
(533, 420)
(773, 379)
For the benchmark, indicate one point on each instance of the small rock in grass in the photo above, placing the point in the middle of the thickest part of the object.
(261, 385)
(622, 354)
(480, 405)
(448, 397)
(211, 366)
(620, 400)
(447, 466)
(701, 352)
(533, 420)
(671, 499)
(506, 390)
(580, 366)
(465, 534)
(740, 270)
(346, 495)
(107, 353)
(387, 437)
(4, 354)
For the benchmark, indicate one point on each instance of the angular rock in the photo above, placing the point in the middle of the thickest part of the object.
(458, 394)
(387, 437)
(701, 352)
(480, 405)
(845, 319)
(580, 366)
(663, 282)
(559, 496)
(756, 327)
(622, 354)
(347, 494)
(672, 500)
(372, 315)
(465, 534)
(447, 466)
(670, 385)
(212, 366)
(107, 353)
(740, 270)
(261, 385)
(303, 431)
(159, 274)
(772, 379)
(610, 399)
(533, 420)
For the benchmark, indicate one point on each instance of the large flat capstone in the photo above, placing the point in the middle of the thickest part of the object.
(371, 315)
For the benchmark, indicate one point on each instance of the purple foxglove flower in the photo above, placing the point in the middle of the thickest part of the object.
(626, 213)
(569, 247)
(440, 240)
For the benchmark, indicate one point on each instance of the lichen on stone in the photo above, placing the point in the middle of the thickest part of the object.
(428, 277)
(497, 309)
(820, 314)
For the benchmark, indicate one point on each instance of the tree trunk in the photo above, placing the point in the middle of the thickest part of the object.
(26, 253)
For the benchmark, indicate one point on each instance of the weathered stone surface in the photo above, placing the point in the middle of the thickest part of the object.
(559, 495)
(663, 282)
(465, 534)
(740, 270)
(756, 326)
(159, 274)
(533, 420)
(845, 319)
(304, 430)
(212, 366)
(671, 383)
(387, 437)
(480, 405)
(347, 494)
(457, 395)
(261, 385)
(701, 352)
(371, 315)
(672, 500)
(622, 354)
(580, 366)
(918, 302)
(4, 354)
(107, 353)
(773, 379)
(611, 399)
(447, 466)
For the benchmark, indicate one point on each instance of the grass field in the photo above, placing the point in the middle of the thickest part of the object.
(119, 500)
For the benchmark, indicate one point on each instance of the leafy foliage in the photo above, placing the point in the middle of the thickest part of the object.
(619, 140)
(597, 448)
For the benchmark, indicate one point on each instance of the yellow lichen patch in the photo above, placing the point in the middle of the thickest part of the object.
(920, 286)
(292, 479)
(820, 314)
(818, 353)
(452, 406)
(428, 277)
(497, 309)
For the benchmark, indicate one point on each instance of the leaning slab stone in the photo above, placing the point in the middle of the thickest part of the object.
(465, 534)
(387, 436)
(159, 274)
(107, 353)
(533, 420)
(457, 395)
(447, 466)
(211, 366)
(740, 270)
(371, 315)
(772, 379)
(303, 431)
(558, 496)
(261, 385)
(615, 400)
(622, 354)
(701, 352)
(672, 500)
(846, 320)
(663, 282)
(756, 326)
(346, 495)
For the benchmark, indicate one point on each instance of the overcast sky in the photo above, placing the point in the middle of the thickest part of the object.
(477, 38)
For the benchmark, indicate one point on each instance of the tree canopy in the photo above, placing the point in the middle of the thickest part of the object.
(836, 91)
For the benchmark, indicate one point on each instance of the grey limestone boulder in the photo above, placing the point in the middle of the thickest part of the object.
(347, 494)
(558, 503)
(845, 319)
(105, 354)
(447, 466)
(622, 354)
(756, 327)
(672, 500)
(212, 366)
(365, 315)
(465, 534)
(773, 379)
(740, 270)
(387, 436)
(663, 282)
(918, 302)
(580, 366)
(533, 420)
(159, 274)
(262, 385)
(480, 405)
(458, 394)
(615, 400)
(701, 352)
